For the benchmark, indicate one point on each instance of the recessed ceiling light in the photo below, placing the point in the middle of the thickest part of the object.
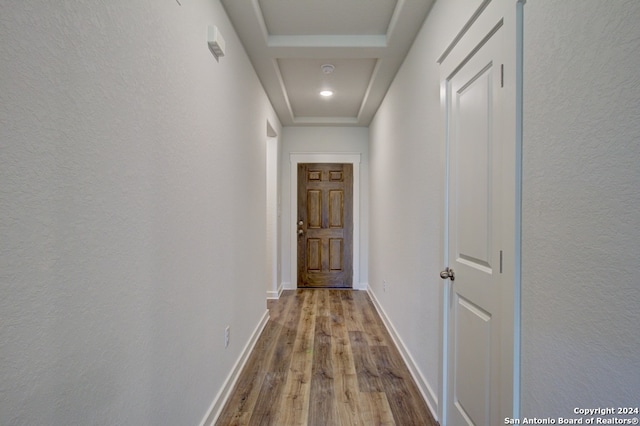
(326, 93)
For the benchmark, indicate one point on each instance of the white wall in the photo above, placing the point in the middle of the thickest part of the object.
(131, 210)
(581, 226)
(323, 140)
(407, 193)
(581, 220)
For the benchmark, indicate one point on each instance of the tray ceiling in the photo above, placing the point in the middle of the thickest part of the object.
(289, 40)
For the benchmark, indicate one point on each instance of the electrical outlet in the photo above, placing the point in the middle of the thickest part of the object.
(227, 335)
(384, 286)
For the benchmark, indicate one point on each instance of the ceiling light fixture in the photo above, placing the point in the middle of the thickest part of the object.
(327, 68)
(326, 93)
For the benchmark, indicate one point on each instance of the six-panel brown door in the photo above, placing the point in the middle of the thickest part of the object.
(325, 225)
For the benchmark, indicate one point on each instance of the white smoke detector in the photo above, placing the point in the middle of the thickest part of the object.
(327, 68)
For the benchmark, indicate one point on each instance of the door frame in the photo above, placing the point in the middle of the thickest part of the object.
(272, 167)
(484, 18)
(325, 157)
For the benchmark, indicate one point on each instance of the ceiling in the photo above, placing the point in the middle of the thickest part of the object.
(288, 41)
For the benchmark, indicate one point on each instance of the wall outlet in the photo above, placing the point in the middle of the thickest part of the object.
(227, 336)
(384, 286)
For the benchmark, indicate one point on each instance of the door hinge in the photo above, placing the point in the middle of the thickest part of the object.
(500, 261)
(501, 75)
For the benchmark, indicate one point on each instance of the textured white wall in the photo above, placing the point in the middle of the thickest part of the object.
(581, 206)
(581, 236)
(316, 140)
(407, 193)
(132, 170)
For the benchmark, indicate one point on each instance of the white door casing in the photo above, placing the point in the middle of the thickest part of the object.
(273, 217)
(478, 88)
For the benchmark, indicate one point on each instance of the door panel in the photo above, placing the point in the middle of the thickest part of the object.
(473, 207)
(314, 209)
(475, 145)
(314, 254)
(325, 225)
(336, 254)
(336, 208)
(472, 377)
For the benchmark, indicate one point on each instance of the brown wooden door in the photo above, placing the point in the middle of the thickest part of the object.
(325, 225)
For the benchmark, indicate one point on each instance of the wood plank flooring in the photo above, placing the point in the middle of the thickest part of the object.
(324, 359)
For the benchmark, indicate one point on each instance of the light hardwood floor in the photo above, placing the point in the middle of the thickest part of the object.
(325, 358)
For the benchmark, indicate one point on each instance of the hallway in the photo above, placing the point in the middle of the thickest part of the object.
(148, 208)
(325, 358)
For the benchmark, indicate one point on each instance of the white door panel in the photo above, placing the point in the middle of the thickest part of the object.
(472, 110)
(475, 103)
(473, 342)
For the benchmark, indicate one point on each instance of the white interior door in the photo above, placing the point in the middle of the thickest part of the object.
(479, 332)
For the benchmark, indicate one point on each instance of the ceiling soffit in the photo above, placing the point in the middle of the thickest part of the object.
(289, 40)
(327, 17)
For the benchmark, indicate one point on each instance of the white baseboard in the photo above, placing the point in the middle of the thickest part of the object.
(427, 392)
(221, 398)
(288, 286)
(361, 286)
(275, 294)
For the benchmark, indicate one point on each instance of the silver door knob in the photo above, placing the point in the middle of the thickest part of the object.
(300, 223)
(300, 232)
(448, 274)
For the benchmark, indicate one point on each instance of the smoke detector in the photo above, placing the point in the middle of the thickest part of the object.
(327, 68)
